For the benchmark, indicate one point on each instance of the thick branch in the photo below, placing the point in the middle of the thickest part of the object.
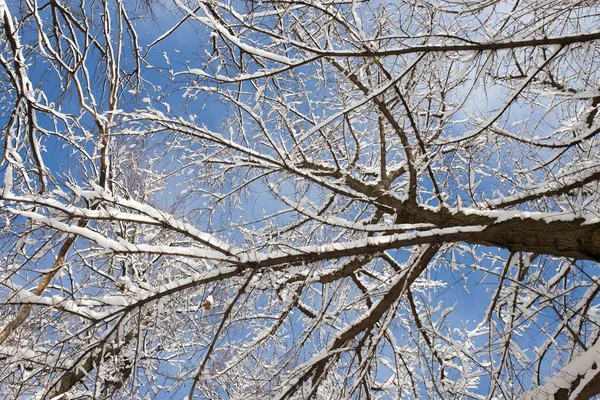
(476, 47)
(558, 238)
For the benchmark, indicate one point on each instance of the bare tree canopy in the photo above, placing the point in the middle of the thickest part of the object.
(337, 199)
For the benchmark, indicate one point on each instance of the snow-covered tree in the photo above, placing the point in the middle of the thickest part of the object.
(299, 199)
